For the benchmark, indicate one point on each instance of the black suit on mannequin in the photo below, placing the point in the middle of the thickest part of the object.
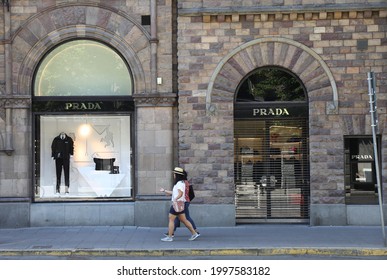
(62, 148)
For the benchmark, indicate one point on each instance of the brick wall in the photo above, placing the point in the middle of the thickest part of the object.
(214, 55)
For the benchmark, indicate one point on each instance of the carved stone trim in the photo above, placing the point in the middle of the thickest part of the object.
(332, 108)
(13, 101)
(2, 87)
(155, 100)
(291, 15)
(285, 12)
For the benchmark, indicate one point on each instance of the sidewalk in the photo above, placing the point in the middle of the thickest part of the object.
(246, 240)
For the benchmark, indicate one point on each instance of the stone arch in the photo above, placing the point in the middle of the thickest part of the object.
(298, 58)
(59, 24)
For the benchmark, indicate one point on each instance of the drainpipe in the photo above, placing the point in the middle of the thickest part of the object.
(154, 41)
(8, 147)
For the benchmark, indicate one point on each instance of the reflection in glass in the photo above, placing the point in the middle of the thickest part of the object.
(270, 84)
(82, 68)
(364, 172)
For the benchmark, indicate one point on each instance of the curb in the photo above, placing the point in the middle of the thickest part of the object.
(344, 252)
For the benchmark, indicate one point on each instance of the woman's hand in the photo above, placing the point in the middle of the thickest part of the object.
(165, 191)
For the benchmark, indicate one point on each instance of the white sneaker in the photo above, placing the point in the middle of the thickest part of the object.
(167, 239)
(193, 237)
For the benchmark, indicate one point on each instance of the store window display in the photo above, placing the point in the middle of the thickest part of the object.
(94, 153)
(360, 172)
(83, 108)
(62, 148)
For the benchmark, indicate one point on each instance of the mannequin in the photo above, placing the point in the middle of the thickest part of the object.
(62, 149)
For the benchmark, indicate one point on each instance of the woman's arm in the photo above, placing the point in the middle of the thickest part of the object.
(179, 195)
(165, 191)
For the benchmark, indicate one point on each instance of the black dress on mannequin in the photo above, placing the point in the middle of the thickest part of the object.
(62, 148)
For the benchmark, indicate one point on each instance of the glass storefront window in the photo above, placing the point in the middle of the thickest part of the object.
(82, 68)
(97, 150)
(360, 174)
(83, 135)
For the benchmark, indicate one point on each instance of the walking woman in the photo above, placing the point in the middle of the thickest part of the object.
(178, 196)
(186, 205)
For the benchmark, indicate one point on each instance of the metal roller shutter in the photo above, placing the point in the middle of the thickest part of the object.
(271, 170)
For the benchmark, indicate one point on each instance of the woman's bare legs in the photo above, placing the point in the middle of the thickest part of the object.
(171, 224)
(184, 220)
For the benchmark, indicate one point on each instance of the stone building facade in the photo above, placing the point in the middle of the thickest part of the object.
(140, 34)
(186, 62)
(329, 45)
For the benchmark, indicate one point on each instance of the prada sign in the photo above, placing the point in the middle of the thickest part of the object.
(271, 112)
(83, 106)
(362, 157)
(250, 111)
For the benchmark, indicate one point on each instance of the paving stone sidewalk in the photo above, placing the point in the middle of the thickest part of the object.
(253, 240)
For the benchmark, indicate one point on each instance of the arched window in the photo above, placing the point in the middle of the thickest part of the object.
(83, 68)
(270, 84)
(271, 150)
(83, 109)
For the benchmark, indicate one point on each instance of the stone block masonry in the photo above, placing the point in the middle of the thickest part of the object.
(331, 50)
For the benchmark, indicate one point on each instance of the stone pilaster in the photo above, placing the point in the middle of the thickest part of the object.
(154, 143)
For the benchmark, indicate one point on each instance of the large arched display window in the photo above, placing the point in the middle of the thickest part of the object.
(82, 106)
(271, 147)
(83, 68)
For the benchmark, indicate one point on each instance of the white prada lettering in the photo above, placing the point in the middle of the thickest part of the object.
(366, 157)
(74, 106)
(271, 112)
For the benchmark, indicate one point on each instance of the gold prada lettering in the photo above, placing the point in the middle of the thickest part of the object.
(76, 106)
(270, 112)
